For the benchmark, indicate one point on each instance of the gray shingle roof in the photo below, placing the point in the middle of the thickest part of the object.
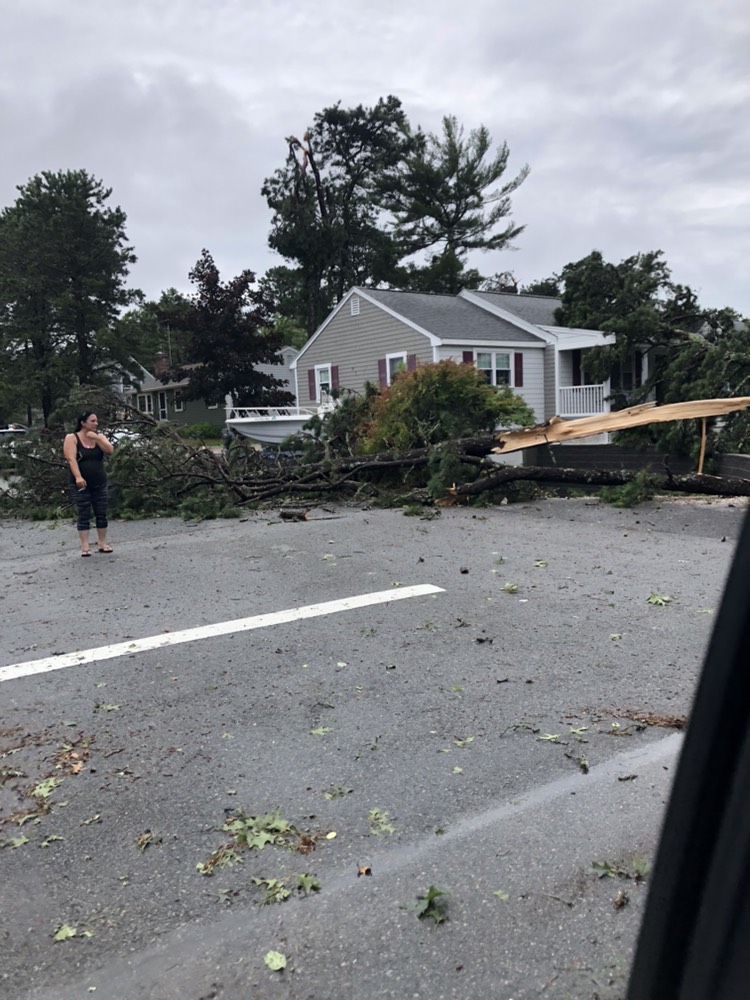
(281, 371)
(538, 309)
(450, 317)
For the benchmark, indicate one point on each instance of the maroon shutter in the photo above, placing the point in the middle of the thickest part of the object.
(468, 358)
(382, 373)
(334, 376)
(518, 369)
(311, 384)
(411, 362)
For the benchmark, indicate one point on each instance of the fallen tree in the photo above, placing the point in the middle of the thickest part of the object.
(666, 482)
(157, 472)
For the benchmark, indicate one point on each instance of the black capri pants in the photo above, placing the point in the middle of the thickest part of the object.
(91, 497)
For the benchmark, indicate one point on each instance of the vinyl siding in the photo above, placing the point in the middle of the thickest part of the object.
(196, 412)
(356, 343)
(565, 367)
(549, 408)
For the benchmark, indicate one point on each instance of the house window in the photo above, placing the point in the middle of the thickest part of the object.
(146, 403)
(354, 305)
(495, 367)
(622, 376)
(179, 405)
(395, 363)
(323, 382)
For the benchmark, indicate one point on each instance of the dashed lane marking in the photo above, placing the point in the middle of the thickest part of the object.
(16, 670)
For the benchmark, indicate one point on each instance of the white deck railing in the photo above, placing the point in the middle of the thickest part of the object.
(580, 401)
(268, 412)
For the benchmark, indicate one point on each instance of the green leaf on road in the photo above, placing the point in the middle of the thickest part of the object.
(275, 960)
(65, 932)
(15, 842)
(43, 789)
(430, 906)
(337, 792)
(50, 840)
(380, 822)
(308, 884)
(147, 839)
(660, 600)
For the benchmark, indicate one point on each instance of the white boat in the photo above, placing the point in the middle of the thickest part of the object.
(272, 424)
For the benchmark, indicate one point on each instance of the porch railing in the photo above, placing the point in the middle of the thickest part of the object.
(581, 401)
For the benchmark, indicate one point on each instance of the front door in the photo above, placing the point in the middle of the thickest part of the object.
(163, 414)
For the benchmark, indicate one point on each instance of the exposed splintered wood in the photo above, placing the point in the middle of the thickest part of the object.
(558, 429)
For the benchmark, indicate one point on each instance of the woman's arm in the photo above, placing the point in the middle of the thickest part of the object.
(70, 454)
(104, 443)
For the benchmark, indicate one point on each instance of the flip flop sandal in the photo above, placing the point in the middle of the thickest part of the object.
(106, 550)
(86, 552)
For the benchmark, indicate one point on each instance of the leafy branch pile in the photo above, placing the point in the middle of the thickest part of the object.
(407, 445)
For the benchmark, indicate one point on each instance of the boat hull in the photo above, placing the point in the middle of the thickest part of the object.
(270, 425)
(267, 432)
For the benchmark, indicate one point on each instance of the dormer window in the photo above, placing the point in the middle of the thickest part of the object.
(354, 305)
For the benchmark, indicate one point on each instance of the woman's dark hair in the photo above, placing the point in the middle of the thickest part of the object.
(80, 420)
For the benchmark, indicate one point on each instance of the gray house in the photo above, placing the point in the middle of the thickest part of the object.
(164, 401)
(513, 339)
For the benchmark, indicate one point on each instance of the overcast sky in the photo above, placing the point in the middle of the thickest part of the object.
(634, 116)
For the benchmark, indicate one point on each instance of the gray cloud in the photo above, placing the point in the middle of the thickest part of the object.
(632, 117)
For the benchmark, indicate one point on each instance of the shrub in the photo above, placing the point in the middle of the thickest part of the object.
(440, 402)
(197, 432)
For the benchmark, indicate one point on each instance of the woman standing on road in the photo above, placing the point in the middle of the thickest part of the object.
(84, 451)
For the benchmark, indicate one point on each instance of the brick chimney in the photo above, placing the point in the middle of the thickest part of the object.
(161, 364)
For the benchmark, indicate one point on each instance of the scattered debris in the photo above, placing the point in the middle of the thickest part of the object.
(429, 906)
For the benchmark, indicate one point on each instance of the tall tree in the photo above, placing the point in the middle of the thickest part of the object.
(285, 286)
(444, 273)
(447, 197)
(544, 286)
(228, 330)
(64, 261)
(692, 352)
(326, 215)
(636, 300)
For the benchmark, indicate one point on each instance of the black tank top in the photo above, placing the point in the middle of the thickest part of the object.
(91, 463)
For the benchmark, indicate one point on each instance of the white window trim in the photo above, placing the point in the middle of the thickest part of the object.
(148, 402)
(179, 403)
(399, 356)
(319, 370)
(510, 369)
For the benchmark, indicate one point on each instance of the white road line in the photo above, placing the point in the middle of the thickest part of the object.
(15, 670)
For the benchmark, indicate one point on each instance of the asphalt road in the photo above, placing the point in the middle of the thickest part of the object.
(494, 738)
